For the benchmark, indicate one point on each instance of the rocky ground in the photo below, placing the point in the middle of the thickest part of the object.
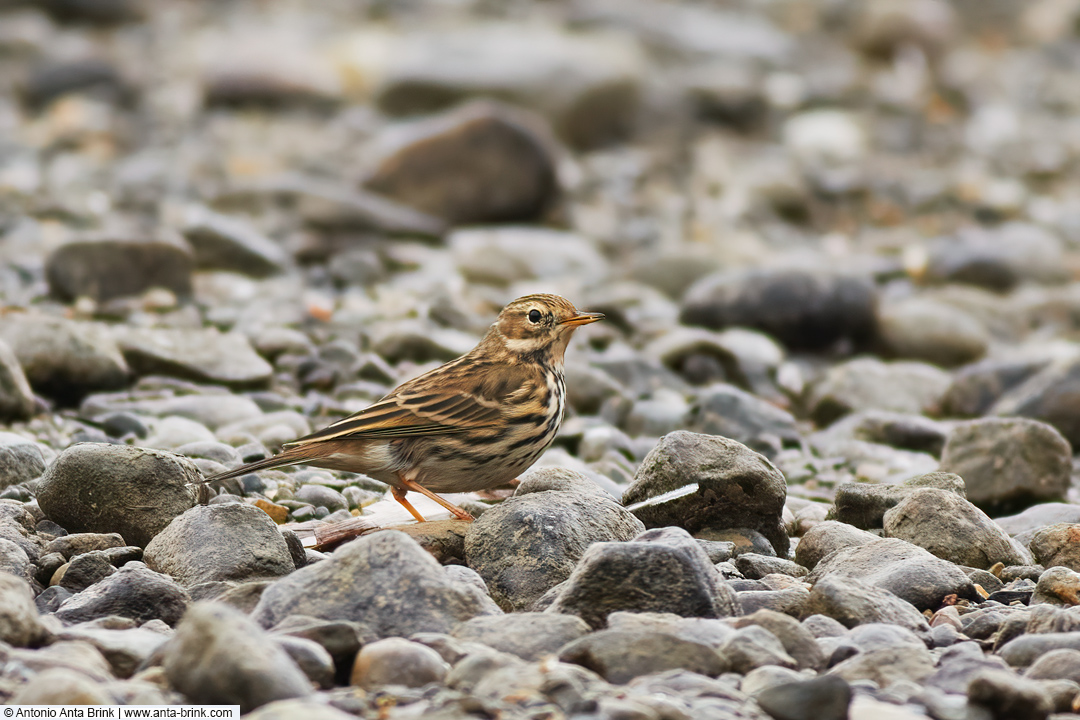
(817, 464)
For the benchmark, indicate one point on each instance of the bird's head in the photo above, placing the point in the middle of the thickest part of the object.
(539, 325)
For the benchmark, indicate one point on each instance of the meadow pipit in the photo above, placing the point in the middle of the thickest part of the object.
(471, 424)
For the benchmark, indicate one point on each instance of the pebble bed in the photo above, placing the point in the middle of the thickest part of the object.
(817, 464)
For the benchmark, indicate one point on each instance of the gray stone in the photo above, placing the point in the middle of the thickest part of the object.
(484, 162)
(529, 635)
(126, 649)
(108, 268)
(885, 667)
(932, 331)
(953, 529)
(84, 570)
(854, 602)
(16, 397)
(898, 430)
(975, 388)
(78, 543)
(713, 632)
(904, 569)
(133, 592)
(19, 624)
(14, 560)
(797, 641)
(220, 542)
(298, 709)
(385, 581)
(341, 639)
(587, 85)
(736, 414)
(753, 646)
(64, 359)
(828, 537)
(704, 482)
(1039, 516)
(321, 496)
(959, 664)
(21, 460)
(824, 698)
(531, 542)
(311, 657)
(1008, 462)
(619, 656)
(802, 309)
(865, 384)
(864, 504)
(202, 355)
(98, 487)
(1026, 649)
(396, 661)
(754, 566)
(661, 571)
(1006, 695)
(220, 657)
(1061, 664)
(221, 242)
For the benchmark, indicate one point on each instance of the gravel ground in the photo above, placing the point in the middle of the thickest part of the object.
(817, 463)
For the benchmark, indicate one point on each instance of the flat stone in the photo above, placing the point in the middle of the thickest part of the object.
(620, 656)
(864, 505)
(134, 592)
(529, 635)
(107, 268)
(854, 602)
(205, 355)
(221, 242)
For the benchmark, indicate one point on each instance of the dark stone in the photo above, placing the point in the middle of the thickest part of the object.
(804, 310)
(133, 591)
(85, 570)
(705, 482)
(736, 414)
(109, 268)
(975, 388)
(1006, 696)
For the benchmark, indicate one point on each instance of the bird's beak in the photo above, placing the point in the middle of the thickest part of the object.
(583, 318)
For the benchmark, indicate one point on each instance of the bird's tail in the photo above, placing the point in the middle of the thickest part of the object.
(280, 460)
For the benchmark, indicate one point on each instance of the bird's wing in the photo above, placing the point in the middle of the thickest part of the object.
(438, 403)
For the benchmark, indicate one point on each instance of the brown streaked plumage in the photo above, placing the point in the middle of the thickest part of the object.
(471, 424)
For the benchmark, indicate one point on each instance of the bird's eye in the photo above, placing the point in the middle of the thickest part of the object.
(534, 316)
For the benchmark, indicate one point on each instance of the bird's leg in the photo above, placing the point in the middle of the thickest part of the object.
(417, 487)
(399, 495)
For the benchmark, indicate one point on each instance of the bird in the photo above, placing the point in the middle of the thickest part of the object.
(472, 424)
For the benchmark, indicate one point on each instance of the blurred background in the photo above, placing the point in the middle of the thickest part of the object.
(753, 191)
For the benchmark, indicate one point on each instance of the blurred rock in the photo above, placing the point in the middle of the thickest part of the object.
(1049, 395)
(864, 505)
(975, 388)
(221, 242)
(103, 269)
(935, 332)
(16, 397)
(853, 602)
(220, 657)
(619, 656)
(998, 259)
(396, 661)
(480, 163)
(587, 85)
(21, 459)
(201, 355)
(529, 635)
(736, 414)
(1057, 544)
(1008, 463)
(64, 359)
(504, 255)
(870, 384)
(19, 624)
(803, 310)
(884, 28)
